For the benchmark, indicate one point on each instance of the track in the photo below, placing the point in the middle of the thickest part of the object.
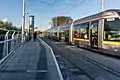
(84, 72)
(56, 52)
(90, 62)
(107, 68)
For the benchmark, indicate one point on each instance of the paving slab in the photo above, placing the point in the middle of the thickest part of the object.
(24, 59)
(33, 61)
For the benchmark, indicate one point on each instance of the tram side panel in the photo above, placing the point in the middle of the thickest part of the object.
(62, 34)
(107, 41)
(81, 35)
(104, 35)
(65, 33)
(111, 36)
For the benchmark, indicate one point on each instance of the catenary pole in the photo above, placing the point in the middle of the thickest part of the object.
(103, 5)
(23, 20)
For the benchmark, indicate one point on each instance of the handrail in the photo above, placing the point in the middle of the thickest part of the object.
(9, 30)
(6, 36)
(13, 35)
(8, 47)
(8, 40)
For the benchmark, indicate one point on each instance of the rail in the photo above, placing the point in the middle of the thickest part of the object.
(10, 43)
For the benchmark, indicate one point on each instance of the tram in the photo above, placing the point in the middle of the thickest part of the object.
(65, 32)
(100, 31)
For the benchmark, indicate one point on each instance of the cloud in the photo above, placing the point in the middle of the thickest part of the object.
(5, 20)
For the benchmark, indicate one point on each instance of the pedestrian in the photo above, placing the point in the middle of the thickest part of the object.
(35, 35)
(26, 36)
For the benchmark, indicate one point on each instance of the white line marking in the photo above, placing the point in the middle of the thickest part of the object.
(36, 71)
(58, 69)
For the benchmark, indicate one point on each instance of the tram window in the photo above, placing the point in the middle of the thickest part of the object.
(67, 33)
(112, 30)
(55, 34)
(119, 13)
(76, 31)
(63, 34)
(84, 31)
(94, 25)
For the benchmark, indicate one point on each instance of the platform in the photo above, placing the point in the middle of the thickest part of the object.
(31, 61)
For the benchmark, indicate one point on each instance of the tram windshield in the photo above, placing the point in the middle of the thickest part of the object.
(112, 29)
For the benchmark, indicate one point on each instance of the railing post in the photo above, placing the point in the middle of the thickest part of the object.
(9, 45)
(18, 39)
(13, 42)
(5, 47)
(7, 42)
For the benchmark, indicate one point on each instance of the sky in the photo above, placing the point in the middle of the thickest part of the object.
(45, 10)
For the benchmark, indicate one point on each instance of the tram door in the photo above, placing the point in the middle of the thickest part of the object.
(94, 35)
(67, 36)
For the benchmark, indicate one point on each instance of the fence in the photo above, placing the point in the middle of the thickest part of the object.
(11, 41)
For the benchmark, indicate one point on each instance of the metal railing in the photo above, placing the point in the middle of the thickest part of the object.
(9, 44)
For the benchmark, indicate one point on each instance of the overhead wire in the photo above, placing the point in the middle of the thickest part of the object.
(74, 6)
(42, 2)
(53, 3)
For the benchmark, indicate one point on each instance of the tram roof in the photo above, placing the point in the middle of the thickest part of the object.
(95, 15)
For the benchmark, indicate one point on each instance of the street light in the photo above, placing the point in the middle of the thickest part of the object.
(23, 21)
(103, 5)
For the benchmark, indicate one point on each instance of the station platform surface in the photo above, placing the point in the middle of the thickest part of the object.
(30, 62)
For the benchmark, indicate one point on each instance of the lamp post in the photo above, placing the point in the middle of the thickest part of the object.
(103, 5)
(23, 21)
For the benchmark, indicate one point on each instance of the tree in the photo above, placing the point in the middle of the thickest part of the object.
(60, 20)
(7, 25)
(2, 25)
